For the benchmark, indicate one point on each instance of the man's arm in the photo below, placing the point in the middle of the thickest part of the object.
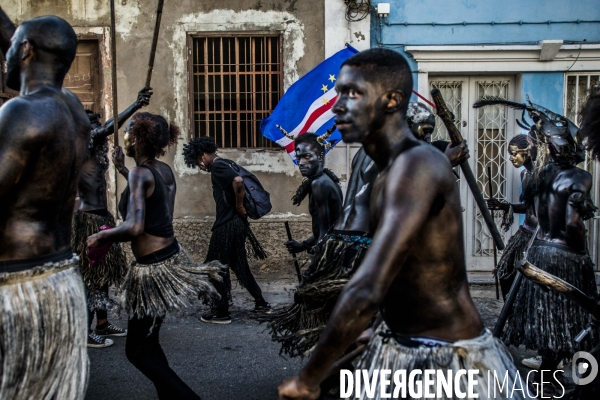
(240, 192)
(108, 129)
(404, 213)
(578, 209)
(16, 144)
(140, 180)
(7, 30)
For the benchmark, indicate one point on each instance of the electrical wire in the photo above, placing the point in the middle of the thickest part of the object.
(357, 10)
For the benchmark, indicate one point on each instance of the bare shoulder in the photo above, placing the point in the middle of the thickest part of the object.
(323, 183)
(575, 179)
(424, 161)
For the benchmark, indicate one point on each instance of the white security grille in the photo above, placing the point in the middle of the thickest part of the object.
(491, 152)
(578, 89)
(452, 94)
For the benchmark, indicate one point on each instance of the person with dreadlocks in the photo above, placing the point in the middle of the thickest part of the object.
(541, 319)
(163, 276)
(321, 186)
(108, 267)
(414, 272)
(230, 230)
(520, 151)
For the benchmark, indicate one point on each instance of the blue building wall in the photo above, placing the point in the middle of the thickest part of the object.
(505, 22)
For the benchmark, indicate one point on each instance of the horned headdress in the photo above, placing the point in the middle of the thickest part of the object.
(321, 139)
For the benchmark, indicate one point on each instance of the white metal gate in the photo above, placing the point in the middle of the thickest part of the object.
(577, 89)
(487, 131)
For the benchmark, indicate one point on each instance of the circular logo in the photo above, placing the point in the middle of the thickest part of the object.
(584, 364)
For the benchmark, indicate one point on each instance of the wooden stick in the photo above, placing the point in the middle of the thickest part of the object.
(489, 171)
(113, 55)
(159, 9)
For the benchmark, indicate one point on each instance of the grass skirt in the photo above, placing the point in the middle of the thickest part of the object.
(505, 271)
(543, 319)
(299, 325)
(43, 333)
(111, 271)
(170, 285)
(484, 353)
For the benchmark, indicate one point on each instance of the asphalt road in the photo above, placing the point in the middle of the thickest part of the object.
(219, 362)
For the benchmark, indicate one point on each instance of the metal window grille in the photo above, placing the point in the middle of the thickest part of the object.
(491, 151)
(236, 81)
(577, 90)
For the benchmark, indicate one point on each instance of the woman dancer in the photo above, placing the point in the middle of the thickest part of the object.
(163, 275)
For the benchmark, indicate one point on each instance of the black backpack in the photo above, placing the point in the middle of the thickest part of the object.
(257, 200)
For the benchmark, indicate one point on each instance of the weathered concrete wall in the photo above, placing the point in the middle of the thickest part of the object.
(301, 24)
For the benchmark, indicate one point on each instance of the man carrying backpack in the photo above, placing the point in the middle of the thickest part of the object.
(231, 227)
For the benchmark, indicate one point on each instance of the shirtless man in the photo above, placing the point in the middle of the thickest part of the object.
(322, 188)
(44, 135)
(91, 215)
(415, 268)
(542, 319)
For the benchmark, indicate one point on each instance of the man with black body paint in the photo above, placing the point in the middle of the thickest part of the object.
(414, 270)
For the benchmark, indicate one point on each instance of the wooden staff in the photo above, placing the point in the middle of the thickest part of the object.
(296, 265)
(113, 55)
(489, 171)
(159, 9)
(444, 113)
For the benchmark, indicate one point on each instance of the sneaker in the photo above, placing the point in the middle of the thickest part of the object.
(536, 363)
(532, 362)
(98, 342)
(111, 330)
(214, 318)
(264, 308)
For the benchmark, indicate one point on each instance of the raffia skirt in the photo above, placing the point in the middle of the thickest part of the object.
(111, 271)
(543, 319)
(298, 326)
(43, 333)
(171, 285)
(484, 353)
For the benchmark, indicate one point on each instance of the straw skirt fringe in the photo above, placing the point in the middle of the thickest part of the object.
(484, 353)
(170, 285)
(43, 333)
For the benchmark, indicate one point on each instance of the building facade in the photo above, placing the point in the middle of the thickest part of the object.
(546, 50)
(220, 67)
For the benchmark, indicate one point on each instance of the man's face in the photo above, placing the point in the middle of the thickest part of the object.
(128, 145)
(14, 61)
(423, 130)
(517, 156)
(356, 108)
(201, 161)
(309, 160)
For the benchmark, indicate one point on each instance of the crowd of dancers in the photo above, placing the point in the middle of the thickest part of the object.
(387, 281)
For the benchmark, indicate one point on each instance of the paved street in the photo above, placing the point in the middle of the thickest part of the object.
(219, 362)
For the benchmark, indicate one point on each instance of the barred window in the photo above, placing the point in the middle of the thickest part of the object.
(236, 81)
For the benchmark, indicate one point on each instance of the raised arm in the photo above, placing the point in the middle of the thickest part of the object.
(7, 29)
(403, 215)
(140, 181)
(108, 129)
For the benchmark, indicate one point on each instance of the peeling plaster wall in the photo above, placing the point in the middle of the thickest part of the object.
(301, 23)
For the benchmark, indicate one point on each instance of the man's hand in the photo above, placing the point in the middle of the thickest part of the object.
(118, 158)
(457, 154)
(495, 204)
(241, 210)
(294, 246)
(294, 388)
(365, 337)
(144, 95)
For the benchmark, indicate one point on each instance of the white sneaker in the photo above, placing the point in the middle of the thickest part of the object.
(98, 342)
(532, 362)
(536, 363)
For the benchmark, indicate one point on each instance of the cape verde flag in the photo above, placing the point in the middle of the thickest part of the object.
(306, 105)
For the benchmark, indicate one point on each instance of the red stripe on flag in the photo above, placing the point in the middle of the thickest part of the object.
(316, 114)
